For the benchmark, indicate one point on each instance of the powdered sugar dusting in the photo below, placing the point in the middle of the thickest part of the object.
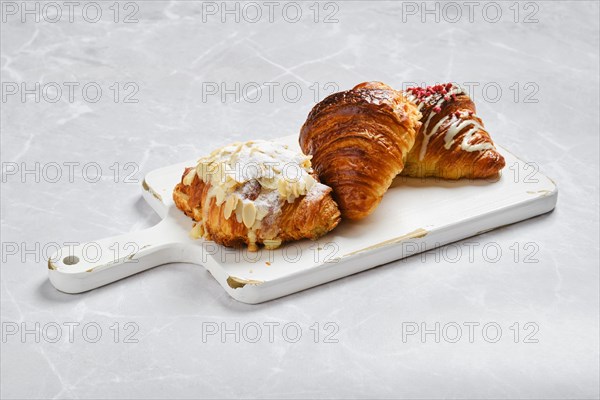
(254, 179)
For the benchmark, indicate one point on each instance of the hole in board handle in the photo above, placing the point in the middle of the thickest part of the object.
(70, 260)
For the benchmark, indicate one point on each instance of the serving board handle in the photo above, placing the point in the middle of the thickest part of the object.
(79, 267)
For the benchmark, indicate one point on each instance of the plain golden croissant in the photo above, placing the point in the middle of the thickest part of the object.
(359, 140)
(256, 193)
(452, 142)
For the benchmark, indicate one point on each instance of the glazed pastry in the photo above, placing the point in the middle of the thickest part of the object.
(452, 142)
(254, 193)
(359, 140)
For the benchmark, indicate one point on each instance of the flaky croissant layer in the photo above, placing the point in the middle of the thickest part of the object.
(256, 193)
(452, 142)
(359, 140)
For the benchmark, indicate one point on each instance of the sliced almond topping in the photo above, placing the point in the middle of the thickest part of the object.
(197, 231)
(282, 187)
(249, 214)
(269, 183)
(189, 177)
(310, 182)
(252, 241)
(231, 190)
(229, 206)
(272, 244)
(239, 208)
(220, 195)
(261, 213)
(301, 186)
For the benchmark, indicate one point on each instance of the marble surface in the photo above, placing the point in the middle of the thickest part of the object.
(175, 61)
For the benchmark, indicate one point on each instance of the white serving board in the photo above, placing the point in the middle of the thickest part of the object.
(415, 215)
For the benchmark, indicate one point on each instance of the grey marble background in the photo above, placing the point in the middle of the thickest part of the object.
(547, 113)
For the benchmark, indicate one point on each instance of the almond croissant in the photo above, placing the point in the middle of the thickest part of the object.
(256, 193)
(359, 140)
(452, 142)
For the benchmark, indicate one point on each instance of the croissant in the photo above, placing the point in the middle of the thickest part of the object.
(359, 140)
(452, 142)
(256, 193)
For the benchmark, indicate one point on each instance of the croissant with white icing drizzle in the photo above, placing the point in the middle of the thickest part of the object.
(359, 140)
(254, 193)
(452, 142)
